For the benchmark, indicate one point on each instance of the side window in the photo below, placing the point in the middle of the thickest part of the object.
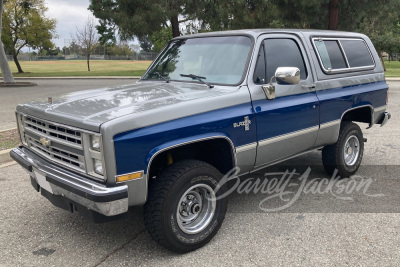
(336, 54)
(259, 72)
(283, 53)
(357, 53)
(331, 55)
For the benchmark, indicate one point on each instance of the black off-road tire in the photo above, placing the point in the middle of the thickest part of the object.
(333, 155)
(166, 195)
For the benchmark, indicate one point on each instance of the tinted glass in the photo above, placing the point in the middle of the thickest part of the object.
(324, 55)
(219, 59)
(283, 53)
(357, 53)
(334, 59)
(259, 72)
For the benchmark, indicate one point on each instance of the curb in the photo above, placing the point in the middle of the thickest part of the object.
(3, 165)
(392, 79)
(5, 156)
(6, 130)
(18, 84)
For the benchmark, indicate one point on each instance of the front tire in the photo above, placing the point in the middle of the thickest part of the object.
(183, 212)
(346, 154)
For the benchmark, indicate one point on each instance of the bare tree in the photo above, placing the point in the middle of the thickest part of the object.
(5, 68)
(87, 38)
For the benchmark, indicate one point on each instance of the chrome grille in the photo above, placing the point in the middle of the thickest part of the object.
(65, 146)
(63, 134)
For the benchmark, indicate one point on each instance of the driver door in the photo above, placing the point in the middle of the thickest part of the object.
(289, 123)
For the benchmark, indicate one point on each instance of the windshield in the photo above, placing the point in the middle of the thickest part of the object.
(216, 60)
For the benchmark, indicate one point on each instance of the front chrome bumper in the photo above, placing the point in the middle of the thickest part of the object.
(61, 183)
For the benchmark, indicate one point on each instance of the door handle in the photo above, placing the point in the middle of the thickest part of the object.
(311, 86)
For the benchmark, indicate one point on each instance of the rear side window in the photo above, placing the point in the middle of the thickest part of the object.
(357, 53)
(331, 55)
(341, 54)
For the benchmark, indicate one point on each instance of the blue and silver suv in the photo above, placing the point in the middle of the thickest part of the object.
(208, 103)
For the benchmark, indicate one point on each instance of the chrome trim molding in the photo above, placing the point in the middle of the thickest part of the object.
(194, 141)
(287, 136)
(262, 166)
(329, 124)
(246, 147)
(186, 143)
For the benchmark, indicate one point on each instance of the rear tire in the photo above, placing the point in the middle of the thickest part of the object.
(346, 154)
(181, 212)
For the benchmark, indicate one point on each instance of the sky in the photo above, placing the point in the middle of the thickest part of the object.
(69, 14)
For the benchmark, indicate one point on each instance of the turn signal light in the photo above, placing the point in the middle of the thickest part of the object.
(131, 176)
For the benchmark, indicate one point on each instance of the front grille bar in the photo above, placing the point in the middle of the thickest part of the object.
(71, 160)
(65, 146)
(62, 134)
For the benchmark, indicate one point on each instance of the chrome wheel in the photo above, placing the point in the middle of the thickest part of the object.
(351, 150)
(196, 208)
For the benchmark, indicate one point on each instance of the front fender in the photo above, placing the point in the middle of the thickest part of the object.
(185, 141)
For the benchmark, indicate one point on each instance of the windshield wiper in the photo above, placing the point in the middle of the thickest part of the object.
(199, 78)
(160, 76)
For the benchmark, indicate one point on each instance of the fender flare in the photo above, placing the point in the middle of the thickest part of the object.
(186, 141)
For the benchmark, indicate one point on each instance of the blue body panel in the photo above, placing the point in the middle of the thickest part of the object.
(134, 149)
(286, 114)
(334, 102)
(280, 116)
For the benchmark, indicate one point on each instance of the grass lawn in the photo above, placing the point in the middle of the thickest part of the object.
(79, 68)
(111, 68)
(9, 139)
(392, 69)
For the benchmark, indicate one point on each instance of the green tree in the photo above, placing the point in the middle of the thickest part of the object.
(120, 49)
(145, 43)
(160, 38)
(25, 24)
(383, 28)
(138, 17)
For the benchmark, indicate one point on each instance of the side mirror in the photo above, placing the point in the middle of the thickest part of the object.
(287, 75)
(284, 76)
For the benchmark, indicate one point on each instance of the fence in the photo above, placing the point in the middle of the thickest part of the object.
(141, 56)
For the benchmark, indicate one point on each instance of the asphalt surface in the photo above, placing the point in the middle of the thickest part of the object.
(358, 229)
(10, 97)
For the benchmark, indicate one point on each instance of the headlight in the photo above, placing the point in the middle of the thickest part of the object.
(98, 166)
(20, 125)
(94, 155)
(95, 142)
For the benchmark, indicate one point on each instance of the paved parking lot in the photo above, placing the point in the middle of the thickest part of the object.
(318, 229)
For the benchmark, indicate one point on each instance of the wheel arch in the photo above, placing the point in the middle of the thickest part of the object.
(362, 114)
(221, 148)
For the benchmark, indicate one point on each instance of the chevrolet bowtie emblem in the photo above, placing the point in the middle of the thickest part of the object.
(44, 141)
(246, 123)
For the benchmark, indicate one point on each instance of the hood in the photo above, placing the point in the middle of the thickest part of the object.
(90, 108)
